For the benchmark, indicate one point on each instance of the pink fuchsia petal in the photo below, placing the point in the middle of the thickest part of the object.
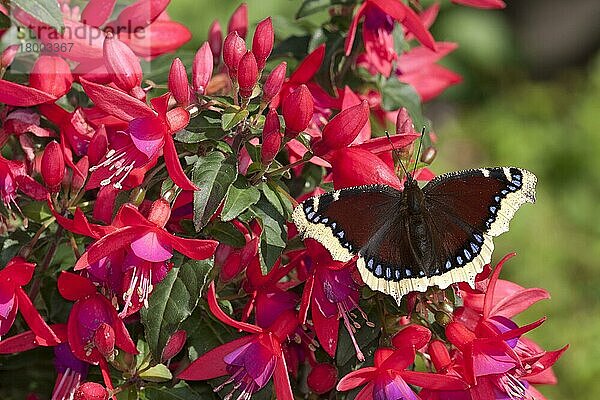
(420, 57)
(398, 360)
(18, 271)
(481, 3)
(115, 241)
(517, 332)
(116, 102)
(281, 379)
(352, 29)
(148, 134)
(326, 328)
(28, 340)
(148, 247)
(490, 358)
(97, 12)
(211, 365)
(159, 37)
(413, 24)
(142, 13)
(174, 167)
(431, 81)
(224, 318)
(489, 297)
(51, 75)
(74, 287)
(309, 66)
(85, 46)
(433, 381)
(33, 318)
(355, 167)
(519, 302)
(22, 96)
(356, 378)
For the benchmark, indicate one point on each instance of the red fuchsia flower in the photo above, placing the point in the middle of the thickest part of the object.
(481, 3)
(215, 40)
(262, 42)
(247, 74)
(94, 328)
(234, 49)
(239, 21)
(250, 361)
(233, 260)
(142, 247)
(274, 82)
(297, 110)
(202, 69)
(13, 177)
(398, 11)
(179, 85)
(332, 294)
(378, 40)
(123, 66)
(271, 138)
(71, 372)
(53, 166)
(13, 298)
(389, 379)
(322, 378)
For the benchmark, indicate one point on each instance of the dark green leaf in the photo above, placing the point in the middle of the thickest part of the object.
(270, 193)
(37, 211)
(310, 7)
(396, 94)
(172, 301)
(181, 391)
(4, 21)
(273, 238)
(231, 119)
(205, 126)
(225, 233)
(213, 174)
(46, 11)
(240, 196)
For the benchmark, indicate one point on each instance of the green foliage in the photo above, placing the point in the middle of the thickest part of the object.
(43, 10)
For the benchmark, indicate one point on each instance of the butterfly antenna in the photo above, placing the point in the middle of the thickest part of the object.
(394, 152)
(419, 150)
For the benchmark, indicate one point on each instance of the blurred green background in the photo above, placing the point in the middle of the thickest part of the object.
(530, 98)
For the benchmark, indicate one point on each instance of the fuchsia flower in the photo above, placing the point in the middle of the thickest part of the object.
(297, 110)
(13, 298)
(389, 379)
(250, 361)
(13, 177)
(71, 372)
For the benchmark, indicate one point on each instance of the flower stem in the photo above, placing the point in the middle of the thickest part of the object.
(35, 286)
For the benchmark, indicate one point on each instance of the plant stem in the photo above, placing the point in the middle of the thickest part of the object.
(35, 286)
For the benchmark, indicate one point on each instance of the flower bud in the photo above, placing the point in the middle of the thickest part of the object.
(439, 355)
(262, 42)
(342, 129)
(247, 74)
(53, 166)
(202, 69)
(160, 212)
(83, 165)
(123, 66)
(178, 83)
(297, 110)
(239, 21)
(174, 345)
(404, 124)
(459, 335)
(234, 49)
(51, 75)
(322, 378)
(215, 41)
(271, 138)
(353, 166)
(274, 81)
(8, 56)
(90, 391)
(104, 340)
(413, 335)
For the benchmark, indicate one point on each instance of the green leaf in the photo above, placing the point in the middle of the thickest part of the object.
(181, 391)
(172, 301)
(205, 126)
(213, 174)
(5, 22)
(273, 238)
(240, 196)
(231, 119)
(396, 94)
(37, 211)
(157, 373)
(46, 11)
(310, 7)
(226, 233)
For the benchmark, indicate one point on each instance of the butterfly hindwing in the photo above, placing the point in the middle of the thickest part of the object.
(345, 220)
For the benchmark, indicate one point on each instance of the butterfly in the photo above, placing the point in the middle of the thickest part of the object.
(408, 240)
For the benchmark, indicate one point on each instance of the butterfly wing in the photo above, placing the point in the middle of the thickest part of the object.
(466, 209)
(344, 221)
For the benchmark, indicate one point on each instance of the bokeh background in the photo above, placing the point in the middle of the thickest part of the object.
(530, 98)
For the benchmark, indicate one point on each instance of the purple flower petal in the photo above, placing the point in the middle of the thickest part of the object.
(149, 248)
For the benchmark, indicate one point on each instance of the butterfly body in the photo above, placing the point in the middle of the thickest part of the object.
(411, 239)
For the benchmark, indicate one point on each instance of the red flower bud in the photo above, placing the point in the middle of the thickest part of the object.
(404, 124)
(262, 42)
(271, 137)
(322, 378)
(51, 75)
(160, 212)
(342, 129)
(274, 82)
(8, 55)
(234, 49)
(174, 345)
(83, 165)
(123, 66)
(202, 68)
(355, 167)
(215, 40)
(178, 82)
(239, 21)
(247, 74)
(104, 340)
(459, 335)
(297, 110)
(439, 355)
(53, 166)
(90, 391)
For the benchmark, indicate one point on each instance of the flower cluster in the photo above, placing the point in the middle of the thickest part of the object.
(144, 217)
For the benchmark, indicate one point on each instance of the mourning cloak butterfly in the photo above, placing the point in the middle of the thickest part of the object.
(416, 238)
